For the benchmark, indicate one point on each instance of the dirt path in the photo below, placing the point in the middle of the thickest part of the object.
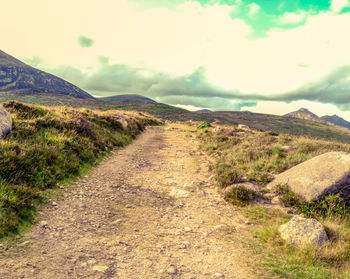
(148, 211)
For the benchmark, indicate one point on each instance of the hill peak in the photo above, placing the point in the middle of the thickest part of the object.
(304, 113)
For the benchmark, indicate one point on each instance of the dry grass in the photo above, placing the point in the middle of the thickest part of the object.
(240, 156)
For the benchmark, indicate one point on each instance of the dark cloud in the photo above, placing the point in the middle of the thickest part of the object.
(85, 42)
(333, 89)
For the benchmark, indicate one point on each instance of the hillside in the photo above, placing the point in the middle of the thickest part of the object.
(19, 78)
(268, 122)
(128, 98)
(49, 145)
(336, 120)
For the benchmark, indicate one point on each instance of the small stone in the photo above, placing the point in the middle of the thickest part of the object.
(23, 243)
(128, 206)
(117, 221)
(100, 268)
(44, 224)
(172, 270)
(276, 200)
(187, 229)
(54, 204)
(218, 275)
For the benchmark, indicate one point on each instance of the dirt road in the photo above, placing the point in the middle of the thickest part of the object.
(148, 211)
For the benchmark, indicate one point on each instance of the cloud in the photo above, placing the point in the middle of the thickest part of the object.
(338, 5)
(292, 18)
(334, 88)
(85, 42)
(253, 9)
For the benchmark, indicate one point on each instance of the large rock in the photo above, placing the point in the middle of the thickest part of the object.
(326, 174)
(5, 122)
(300, 231)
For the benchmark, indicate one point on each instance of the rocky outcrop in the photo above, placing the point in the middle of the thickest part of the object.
(300, 231)
(5, 122)
(326, 174)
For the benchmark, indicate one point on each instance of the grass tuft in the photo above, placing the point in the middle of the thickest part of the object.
(240, 196)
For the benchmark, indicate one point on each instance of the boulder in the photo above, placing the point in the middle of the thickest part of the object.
(300, 231)
(5, 122)
(326, 174)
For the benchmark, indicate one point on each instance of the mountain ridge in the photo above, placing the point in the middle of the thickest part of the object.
(21, 79)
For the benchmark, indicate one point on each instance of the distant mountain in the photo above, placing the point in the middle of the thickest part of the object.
(204, 110)
(19, 78)
(128, 98)
(336, 120)
(305, 114)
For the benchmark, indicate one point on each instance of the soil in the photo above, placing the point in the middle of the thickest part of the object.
(150, 210)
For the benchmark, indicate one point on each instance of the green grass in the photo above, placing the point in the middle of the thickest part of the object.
(331, 261)
(49, 145)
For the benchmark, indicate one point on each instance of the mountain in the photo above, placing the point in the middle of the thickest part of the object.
(19, 78)
(336, 120)
(305, 114)
(128, 98)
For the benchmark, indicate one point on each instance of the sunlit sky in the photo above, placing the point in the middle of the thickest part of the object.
(257, 55)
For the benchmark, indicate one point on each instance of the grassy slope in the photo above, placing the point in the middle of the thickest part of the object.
(239, 156)
(266, 122)
(49, 100)
(49, 145)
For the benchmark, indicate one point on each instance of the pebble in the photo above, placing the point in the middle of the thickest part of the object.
(44, 224)
(187, 229)
(54, 204)
(172, 270)
(219, 275)
(100, 268)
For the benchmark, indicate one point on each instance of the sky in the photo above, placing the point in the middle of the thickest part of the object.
(258, 55)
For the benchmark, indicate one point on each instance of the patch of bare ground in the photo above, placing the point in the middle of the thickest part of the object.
(148, 211)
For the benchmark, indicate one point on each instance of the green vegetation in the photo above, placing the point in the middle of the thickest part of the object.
(332, 206)
(204, 125)
(240, 196)
(241, 156)
(49, 145)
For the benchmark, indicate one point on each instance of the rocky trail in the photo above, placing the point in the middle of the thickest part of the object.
(149, 210)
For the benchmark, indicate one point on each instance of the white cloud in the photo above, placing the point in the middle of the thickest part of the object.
(338, 5)
(253, 9)
(292, 18)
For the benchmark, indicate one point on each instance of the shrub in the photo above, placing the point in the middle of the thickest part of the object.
(240, 196)
(204, 125)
